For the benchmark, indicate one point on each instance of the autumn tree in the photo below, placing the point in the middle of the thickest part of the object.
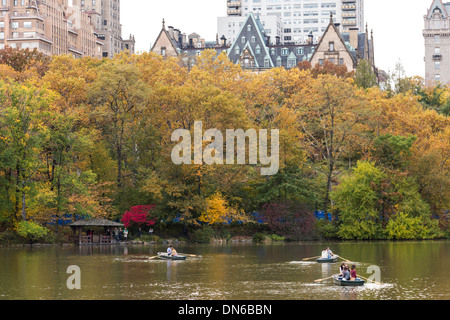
(119, 97)
(139, 216)
(331, 115)
(22, 59)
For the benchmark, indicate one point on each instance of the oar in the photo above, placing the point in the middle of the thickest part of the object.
(189, 255)
(152, 257)
(343, 258)
(311, 258)
(370, 280)
(319, 280)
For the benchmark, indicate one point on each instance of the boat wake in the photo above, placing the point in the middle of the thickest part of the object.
(303, 262)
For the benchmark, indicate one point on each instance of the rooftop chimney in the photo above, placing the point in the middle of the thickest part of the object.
(353, 37)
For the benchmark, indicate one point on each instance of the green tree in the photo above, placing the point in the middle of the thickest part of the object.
(364, 76)
(372, 204)
(393, 151)
(23, 132)
(31, 231)
(356, 201)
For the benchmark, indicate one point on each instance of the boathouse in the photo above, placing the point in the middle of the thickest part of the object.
(83, 231)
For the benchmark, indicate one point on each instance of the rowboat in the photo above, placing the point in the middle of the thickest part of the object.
(164, 255)
(328, 260)
(348, 283)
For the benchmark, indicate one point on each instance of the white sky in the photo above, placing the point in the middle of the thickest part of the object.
(397, 26)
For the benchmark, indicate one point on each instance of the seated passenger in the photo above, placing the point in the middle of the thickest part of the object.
(346, 274)
(353, 273)
(341, 269)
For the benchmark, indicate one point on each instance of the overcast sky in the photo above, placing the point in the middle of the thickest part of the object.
(397, 26)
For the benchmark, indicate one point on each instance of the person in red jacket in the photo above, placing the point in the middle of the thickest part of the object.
(353, 273)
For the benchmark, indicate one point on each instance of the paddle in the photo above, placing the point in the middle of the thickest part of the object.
(343, 258)
(189, 255)
(311, 258)
(152, 257)
(370, 280)
(319, 280)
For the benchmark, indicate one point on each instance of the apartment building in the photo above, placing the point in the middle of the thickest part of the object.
(49, 26)
(299, 19)
(105, 16)
(436, 34)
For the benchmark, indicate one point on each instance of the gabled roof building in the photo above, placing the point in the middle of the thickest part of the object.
(253, 49)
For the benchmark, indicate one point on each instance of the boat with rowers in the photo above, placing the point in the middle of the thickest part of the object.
(165, 255)
(328, 260)
(340, 281)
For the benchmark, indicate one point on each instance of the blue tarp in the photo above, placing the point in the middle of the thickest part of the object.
(320, 215)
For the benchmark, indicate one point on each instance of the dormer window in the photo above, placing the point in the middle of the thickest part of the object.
(331, 46)
(249, 28)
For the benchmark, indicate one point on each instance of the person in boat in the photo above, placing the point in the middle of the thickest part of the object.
(329, 253)
(171, 251)
(353, 275)
(341, 269)
(346, 273)
(324, 254)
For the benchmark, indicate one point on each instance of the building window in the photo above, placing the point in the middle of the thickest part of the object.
(284, 51)
(291, 63)
(266, 63)
(249, 28)
(279, 61)
(163, 51)
(258, 49)
(237, 50)
(437, 65)
(331, 46)
(437, 77)
(243, 40)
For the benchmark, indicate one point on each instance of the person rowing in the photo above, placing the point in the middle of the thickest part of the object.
(171, 251)
(329, 253)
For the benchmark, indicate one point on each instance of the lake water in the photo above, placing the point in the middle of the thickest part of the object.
(241, 271)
